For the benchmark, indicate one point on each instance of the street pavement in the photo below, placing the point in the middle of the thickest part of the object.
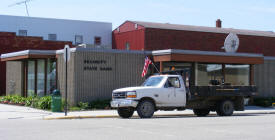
(23, 123)
(22, 112)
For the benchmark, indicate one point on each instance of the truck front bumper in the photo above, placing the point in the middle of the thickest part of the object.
(123, 103)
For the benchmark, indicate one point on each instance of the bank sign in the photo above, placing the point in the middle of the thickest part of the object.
(96, 65)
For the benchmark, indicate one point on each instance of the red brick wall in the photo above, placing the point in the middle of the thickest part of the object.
(128, 33)
(134, 38)
(159, 39)
(9, 42)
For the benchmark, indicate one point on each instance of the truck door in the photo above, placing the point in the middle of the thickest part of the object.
(178, 95)
(165, 94)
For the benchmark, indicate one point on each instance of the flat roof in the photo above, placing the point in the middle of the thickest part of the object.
(159, 55)
(203, 28)
(177, 51)
(207, 57)
(28, 54)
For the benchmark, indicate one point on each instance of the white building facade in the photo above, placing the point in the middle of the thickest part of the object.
(76, 31)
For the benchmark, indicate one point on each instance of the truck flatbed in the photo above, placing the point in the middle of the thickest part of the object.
(222, 90)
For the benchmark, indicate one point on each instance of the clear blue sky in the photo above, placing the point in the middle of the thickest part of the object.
(240, 14)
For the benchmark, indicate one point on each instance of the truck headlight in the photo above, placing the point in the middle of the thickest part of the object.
(131, 94)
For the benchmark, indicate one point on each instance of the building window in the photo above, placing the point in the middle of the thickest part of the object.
(31, 78)
(97, 40)
(51, 76)
(127, 46)
(78, 39)
(41, 77)
(22, 32)
(237, 75)
(209, 74)
(52, 37)
(40, 85)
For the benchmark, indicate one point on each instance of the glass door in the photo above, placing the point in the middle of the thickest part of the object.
(40, 77)
(31, 78)
(51, 76)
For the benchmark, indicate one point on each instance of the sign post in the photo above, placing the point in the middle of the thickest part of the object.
(66, 54)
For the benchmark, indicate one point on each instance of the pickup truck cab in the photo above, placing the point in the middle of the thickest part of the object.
(168, 92)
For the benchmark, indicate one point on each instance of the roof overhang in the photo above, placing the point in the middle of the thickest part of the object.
(207, 57)
(28, 54)
(40, 54)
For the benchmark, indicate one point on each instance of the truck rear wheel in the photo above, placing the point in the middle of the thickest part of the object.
(225, 108)
(125, 112)
(146, 109)
(201, 112)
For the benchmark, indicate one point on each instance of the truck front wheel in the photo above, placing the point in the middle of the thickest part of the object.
(201, 112)
(125, 112)
(145, 109)
(225, 108)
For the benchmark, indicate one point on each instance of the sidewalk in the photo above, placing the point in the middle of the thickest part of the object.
(21, 112)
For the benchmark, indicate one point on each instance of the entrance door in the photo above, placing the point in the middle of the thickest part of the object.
(31, 78)
(39, 77)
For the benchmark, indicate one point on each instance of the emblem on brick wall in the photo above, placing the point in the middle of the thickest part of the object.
(231, 43)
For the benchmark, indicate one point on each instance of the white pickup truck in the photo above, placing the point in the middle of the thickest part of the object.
(168, 92)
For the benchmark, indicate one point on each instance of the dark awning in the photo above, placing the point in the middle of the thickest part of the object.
(207, 57)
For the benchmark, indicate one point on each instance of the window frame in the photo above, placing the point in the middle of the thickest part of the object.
(50, 37)
(173, 86)
(25, 32)
(96, 42)
(76, 39)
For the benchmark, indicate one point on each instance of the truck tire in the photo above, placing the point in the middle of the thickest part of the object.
(125, 112)
(225, 108)
(146, 109)
(201, 112)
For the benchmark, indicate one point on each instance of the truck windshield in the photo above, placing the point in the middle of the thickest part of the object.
(152, 81)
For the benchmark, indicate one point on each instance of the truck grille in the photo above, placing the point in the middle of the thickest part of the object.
(119, 95)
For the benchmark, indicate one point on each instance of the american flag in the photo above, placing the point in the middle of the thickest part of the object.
(146, 65)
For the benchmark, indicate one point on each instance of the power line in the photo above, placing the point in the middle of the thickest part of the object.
(22, 2)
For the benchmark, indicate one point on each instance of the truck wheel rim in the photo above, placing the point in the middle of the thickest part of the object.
(227, 107)
(146, 109)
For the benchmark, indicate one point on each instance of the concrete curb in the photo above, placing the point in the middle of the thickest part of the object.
(158, 115)
(81, 117)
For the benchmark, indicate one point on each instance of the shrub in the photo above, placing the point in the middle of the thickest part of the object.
(2, 99)
(7, 98)
(44, 102)
(16, 99)
(28, 101)
(22, 100)
(35, 101)
(100, 104)
(83, 105)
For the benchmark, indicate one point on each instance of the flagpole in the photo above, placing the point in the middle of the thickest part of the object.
(155, 67)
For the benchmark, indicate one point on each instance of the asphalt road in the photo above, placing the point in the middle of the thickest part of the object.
(244, 126)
